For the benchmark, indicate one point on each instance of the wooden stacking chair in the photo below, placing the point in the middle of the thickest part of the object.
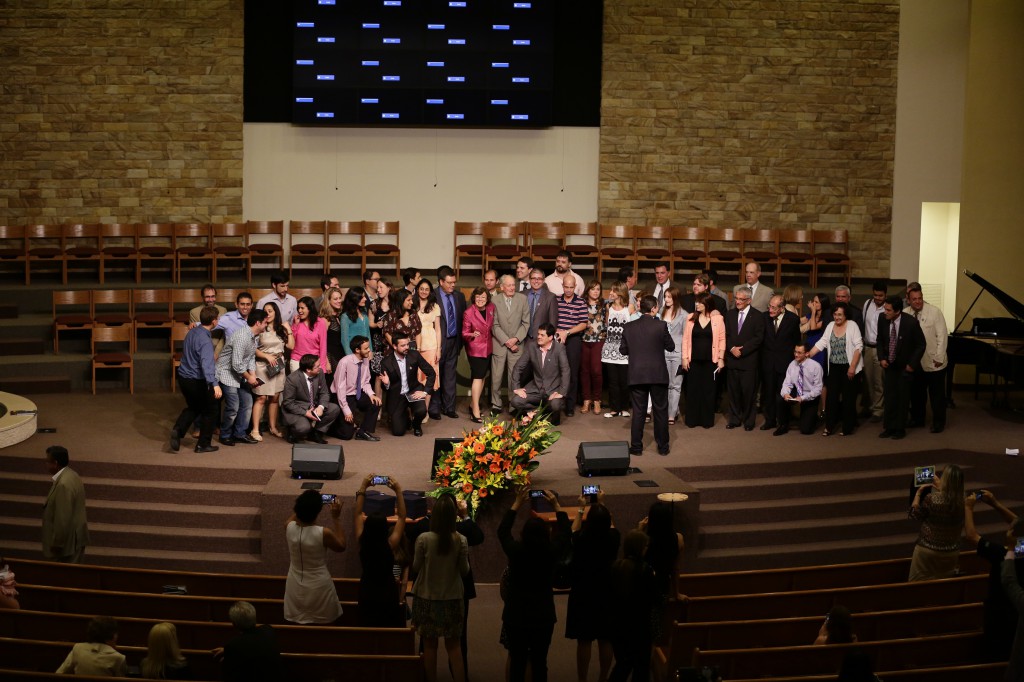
(265, 239)
(12, 247)
(43, 244)
(653, 245)
(795, 256)
(118, 243)
(831, 252)
(229, 244)
(762, 247)
(72, 311)
(503, 243)
(151, 309)
(105, 357)
(81, 243)
(381, 242)
(545, 241)
(178, 333)
(345, 246)
(155, 244)
(192, 244)
(468, 245)
(616, 245)
(725, 253)
(307, 239)
(581, 242)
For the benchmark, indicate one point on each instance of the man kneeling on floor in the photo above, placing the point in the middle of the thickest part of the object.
(306, 405)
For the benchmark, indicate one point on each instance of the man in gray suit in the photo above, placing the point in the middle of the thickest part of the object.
(65, 531)
(306, 404)
(550, 367)
(542, 304)
(511, 322)
(760, 294)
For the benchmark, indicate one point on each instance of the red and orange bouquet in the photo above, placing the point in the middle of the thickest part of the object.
(497, 456)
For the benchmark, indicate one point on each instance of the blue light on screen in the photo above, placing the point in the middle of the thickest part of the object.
(390, 115)
(499, 65)
(325, 39)
(522, 5)
(304, 100)
(305, 24)
(521, 79)
(371, 25)
(391, 78)
(456, 79)
(499, 102)
(520, 117)
(455, 116)
(326, 2)
(435, 27)
(371, 62)
(456, 4)
(369, 100)
(500, 27)
(392, 41)
(325, 114)
(435, 63)
(325, 76)
(456, 41)
(521, 43)
(304, 62)
(435, 101)
(392, 3)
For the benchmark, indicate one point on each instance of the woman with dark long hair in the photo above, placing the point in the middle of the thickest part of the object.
(380, 587)
(270, 348)
(310, 334)
(702, 359)
(591, 372)
(663, 552)
(440, 559)
(595, 544)
(354, 321)
(402, 318)
(477, 323)
(309, 592)
(939, 507)
(633, 597)
(429, 342)
(529, 613)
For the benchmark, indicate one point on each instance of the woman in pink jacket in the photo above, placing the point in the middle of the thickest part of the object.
(476, 332)
(703, 358)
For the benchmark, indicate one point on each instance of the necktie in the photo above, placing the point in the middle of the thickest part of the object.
(661, 296)
(533, 307)
(917, 314)
(309, 385)
(800, 381)
(777, 321)
(359, 381)
(739, 323)
(892, 342)
(449, 309)
(508, 304)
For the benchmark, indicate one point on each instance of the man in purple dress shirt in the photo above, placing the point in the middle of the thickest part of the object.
(352, 386)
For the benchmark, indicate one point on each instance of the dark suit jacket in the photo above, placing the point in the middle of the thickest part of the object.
(296, 393)
(552, 377)
(547, 310)
(460, 312)
(777, 349)
(910, 345)
(413, 361)
(253, 656)
(645, 340)
(751, 338)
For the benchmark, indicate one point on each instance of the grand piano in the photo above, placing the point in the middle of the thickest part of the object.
(994, 345)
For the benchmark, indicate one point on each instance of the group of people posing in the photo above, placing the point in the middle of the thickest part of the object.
(330, 365)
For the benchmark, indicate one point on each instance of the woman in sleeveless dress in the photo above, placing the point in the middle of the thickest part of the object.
(309, 592)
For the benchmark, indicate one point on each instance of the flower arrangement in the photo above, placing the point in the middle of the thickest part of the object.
(497, 456)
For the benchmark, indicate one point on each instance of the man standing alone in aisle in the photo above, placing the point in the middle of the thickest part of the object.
(65, 530)
(645, 341)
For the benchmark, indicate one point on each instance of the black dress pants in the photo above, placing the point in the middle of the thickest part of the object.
(742, 396)
(658, 395)
(897, 383)
(199, 402)
(370, 411)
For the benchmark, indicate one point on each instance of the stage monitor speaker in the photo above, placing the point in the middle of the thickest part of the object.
(310, 460)
(603, 458)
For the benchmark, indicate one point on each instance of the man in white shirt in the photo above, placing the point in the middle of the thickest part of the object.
(563, 267)
(286, 303)
(929, 384)
(662, 283)
(801, 385)
(523, 267)
(874, 308)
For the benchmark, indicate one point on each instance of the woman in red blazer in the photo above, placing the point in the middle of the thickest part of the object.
(476, 332)
(703, 358)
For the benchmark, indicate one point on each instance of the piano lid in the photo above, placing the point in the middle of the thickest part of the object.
(1012, 305)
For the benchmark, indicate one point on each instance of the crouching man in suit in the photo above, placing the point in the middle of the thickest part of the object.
(550, 367)
(406, 396)
(306, 404)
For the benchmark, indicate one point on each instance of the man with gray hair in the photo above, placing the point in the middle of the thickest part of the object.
(511, 324)
(744, 333)
(854, 314)
(253, 654)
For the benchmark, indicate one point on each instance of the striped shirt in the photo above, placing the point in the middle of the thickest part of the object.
(571, 312)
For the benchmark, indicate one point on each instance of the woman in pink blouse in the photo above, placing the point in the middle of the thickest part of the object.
(310, 332)
(476, 332)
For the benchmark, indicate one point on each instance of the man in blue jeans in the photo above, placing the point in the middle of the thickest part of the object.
(236, 373)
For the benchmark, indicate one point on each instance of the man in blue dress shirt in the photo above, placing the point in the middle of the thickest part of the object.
(197, 377)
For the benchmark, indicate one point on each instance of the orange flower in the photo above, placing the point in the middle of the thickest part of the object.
(498, 430)
(467, 488)
(478, 447)
(515, 434)
(519, 469)
(483, 492)
(495, 467)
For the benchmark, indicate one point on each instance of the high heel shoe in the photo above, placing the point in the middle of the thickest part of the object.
(586, 407)
(256, 436)
(476, 420)
(597, 407)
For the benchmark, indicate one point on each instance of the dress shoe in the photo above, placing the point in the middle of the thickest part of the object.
(748, 428)
(664, 453)
(886, 434)
(247, 439)
(227, 441)
(417, 431)
(898, 435)
(175, 440)
(452, 414)
(295, 440)
(781, 431)
(570, 413)
(362, 435)
(731, 426)
(937, 429)
(318, 437)
(495, 412)
(767, 427)
(200, 449)
(436, 417)
(636, 453)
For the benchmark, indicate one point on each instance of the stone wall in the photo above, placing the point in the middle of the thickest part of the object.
(120, 110)
(758, 113)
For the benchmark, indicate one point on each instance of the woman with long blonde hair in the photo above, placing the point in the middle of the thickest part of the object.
(163, 660)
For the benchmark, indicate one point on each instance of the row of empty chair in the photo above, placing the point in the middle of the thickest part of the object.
(100, 248)
(805, 254)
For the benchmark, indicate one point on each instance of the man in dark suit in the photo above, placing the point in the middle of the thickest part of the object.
(549, 365)
(781, 335)
(744, 333)
(252, 655)
(453, 307)
(901, 345)
(306, 403)
(541, 304)
(65, 530)
(405, 394)
(645, 341)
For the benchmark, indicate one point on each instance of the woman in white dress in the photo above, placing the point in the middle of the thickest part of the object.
(309, 593)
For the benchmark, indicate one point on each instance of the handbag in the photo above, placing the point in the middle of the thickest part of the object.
(274, 369)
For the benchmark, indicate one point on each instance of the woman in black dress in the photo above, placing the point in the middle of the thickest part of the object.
(380, 590)
(703, 355)
(595, 544)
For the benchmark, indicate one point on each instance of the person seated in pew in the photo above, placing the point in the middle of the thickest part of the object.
(97, 656)
(857, 667)
(252, 655)
(837, 628)
(8, 587)
(163, 659)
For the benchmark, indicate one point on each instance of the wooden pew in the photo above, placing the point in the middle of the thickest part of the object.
(894, 596)
(236, 585)
(44, 656)
(162, 606)
(981, 672)
(892, 654)
(811, 577)
(45, 625)
(781, 632)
